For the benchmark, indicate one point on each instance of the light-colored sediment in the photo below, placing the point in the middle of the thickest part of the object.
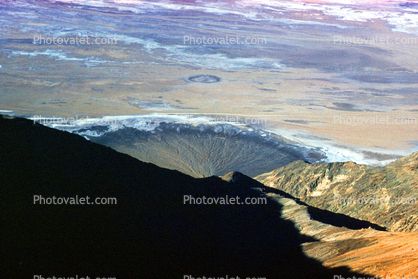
(300, 80)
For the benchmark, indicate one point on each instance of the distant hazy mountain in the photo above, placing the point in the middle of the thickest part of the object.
(387, 196)
(149, 233)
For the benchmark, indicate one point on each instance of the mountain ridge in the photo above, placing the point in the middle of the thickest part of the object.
(382, 195)
(149, 233)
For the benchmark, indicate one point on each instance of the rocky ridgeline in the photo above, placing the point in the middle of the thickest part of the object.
(150, 232)
(387, 196)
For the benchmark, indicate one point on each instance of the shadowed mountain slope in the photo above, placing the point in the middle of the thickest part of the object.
(382, 254)
(149, 233)
(341, 240)
(320, 215)
(386, 196)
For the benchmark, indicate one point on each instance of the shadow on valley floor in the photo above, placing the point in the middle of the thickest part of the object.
(149, 233)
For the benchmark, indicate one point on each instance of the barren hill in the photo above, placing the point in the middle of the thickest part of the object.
(149, 233)
(387, 196)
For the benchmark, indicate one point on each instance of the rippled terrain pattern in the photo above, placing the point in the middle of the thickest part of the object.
(203, 151)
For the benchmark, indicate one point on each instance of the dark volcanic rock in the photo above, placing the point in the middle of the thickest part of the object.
(205, 79)
(149, 233)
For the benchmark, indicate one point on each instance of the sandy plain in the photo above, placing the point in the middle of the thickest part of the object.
(307, 82)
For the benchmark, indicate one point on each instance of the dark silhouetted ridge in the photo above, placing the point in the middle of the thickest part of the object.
(149, 233)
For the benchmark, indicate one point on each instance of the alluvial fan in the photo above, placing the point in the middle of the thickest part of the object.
(206, 150)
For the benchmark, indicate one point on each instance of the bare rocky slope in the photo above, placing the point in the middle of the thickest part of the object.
(382, 254)
(338, 240)
(206, 150)
(149, 233)
(386, 196)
